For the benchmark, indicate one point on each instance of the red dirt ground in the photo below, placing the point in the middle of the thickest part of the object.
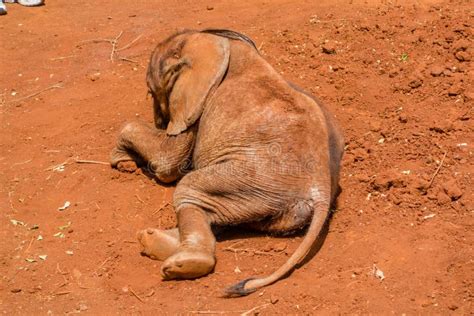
(398, 76)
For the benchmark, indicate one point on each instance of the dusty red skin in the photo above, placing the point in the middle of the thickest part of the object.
(262, 152)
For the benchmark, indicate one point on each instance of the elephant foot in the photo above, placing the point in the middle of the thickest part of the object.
(158, 244)
(188, 264)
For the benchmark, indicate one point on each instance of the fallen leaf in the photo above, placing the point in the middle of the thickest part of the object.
(378, 273)
(65, 206)
(64, 226)
(429, 216)
(16, 223)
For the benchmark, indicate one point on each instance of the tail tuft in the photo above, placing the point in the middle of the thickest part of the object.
(238, 289)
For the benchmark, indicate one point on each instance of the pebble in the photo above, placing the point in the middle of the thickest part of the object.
(452, 190)
(462, 56)
(388, 179)
(403, 118)
(328, 48)
(94, 76)
(15, 290)
(83, 307)
(453, 307)
(436, 71)
(360, 154)
(442, 198)
(455, 89)
(415, 83)
(279, 247)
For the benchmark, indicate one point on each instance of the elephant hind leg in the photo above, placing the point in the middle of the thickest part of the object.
(194, 256)
(158, 244)
(295, 218)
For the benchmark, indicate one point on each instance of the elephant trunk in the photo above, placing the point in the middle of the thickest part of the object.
(245, 287)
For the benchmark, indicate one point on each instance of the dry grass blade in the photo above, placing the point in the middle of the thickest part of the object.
(129, 44)
(135, 294)
(250, 311)
(437, 170)
(94, 162)
(58, 85)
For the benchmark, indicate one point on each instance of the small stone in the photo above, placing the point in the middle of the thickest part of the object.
(15, 290)
(453, 307)
(415, 83)
(393, 73)
(279, 247)
(443, 198)
(468, 96)
(328, 48)
(462, 56)
(455, 89)
(426, 303)
(209, 8)
(403, 118)
(436, 71)
(375, 126)
(359, 154)
(94, 76)
(461, 45)
(447, 73)
(452, 190)
(83, 307)
(273, 299)
(442, 126)
(388, 179)
(421, 185)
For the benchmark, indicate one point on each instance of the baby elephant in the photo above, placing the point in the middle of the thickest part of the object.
(248, 148)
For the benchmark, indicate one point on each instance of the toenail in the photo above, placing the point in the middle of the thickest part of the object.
(149, 231)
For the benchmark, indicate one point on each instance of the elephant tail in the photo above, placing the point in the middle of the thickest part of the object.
(245, 287)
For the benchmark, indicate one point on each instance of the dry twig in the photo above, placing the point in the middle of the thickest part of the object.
(161, 208)
(135, 294)
(248, 250)
(250, 311)
(29, 245)
(62, 57)
(62, 293)
(437, 170)
(102, 264)
(95, 162)
(54, 86)
(114, 43)
(139, 198)
(129, 44)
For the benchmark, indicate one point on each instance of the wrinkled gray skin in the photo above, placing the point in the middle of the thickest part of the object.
(246, 146)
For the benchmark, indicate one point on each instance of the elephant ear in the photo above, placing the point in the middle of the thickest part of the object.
(207, 59)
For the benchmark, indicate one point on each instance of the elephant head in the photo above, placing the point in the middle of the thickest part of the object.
(184, 71)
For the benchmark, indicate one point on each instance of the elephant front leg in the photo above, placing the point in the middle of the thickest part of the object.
(195, 256)
(165, 156)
